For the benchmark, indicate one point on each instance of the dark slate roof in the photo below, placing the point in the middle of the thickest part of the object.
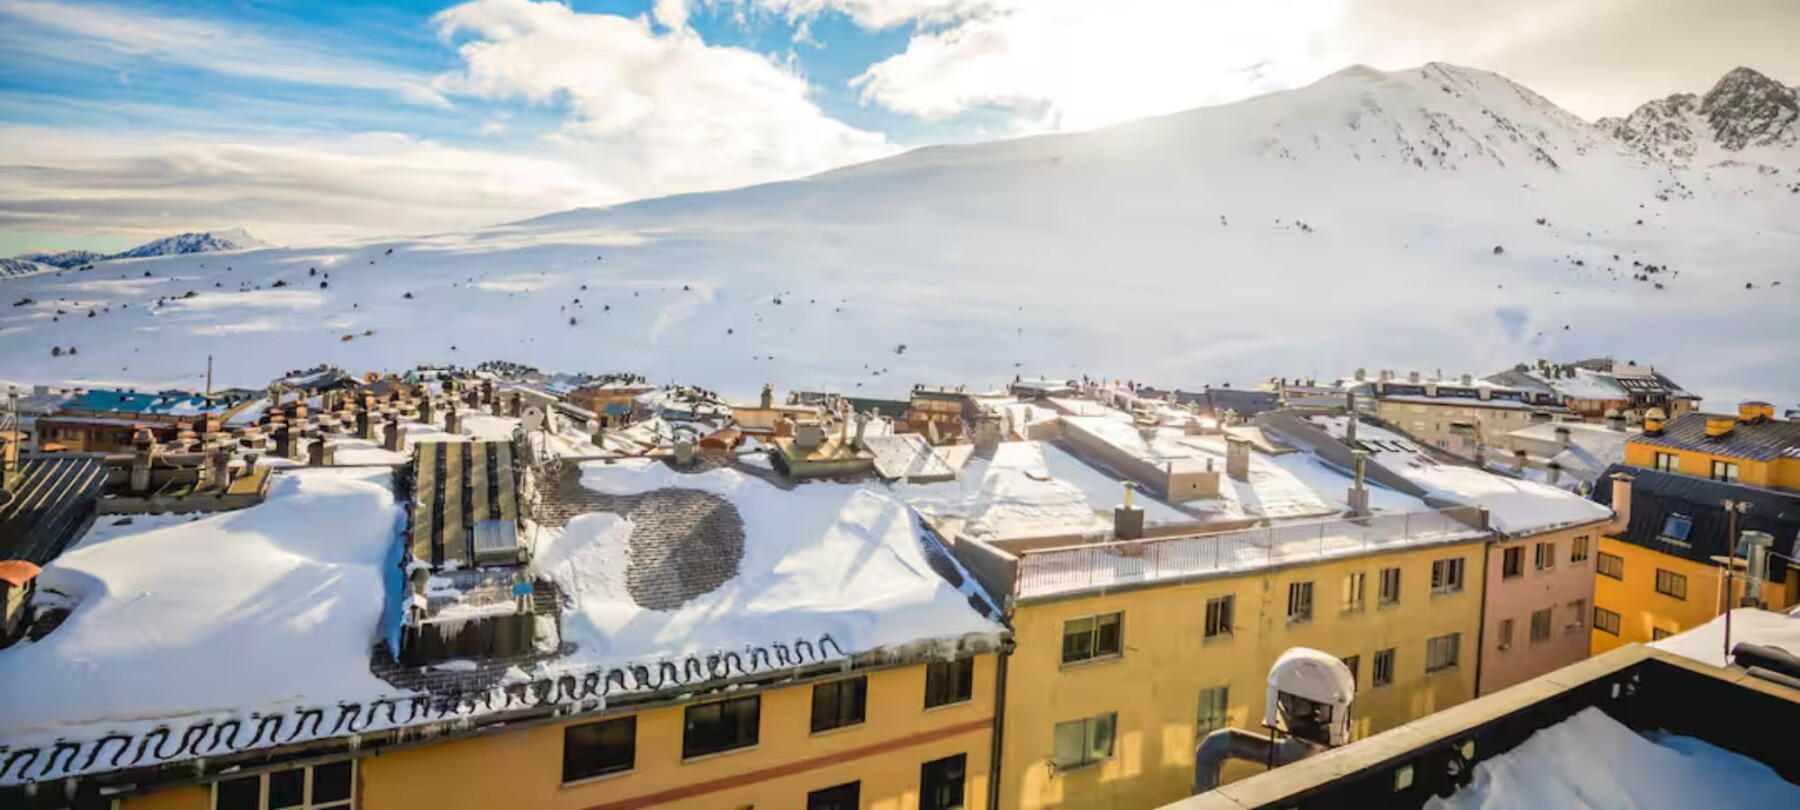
(54, 496)
(1657, 496)
(1758, 440)
(1245, 402)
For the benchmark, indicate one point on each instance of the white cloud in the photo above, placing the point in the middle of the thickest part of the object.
(294, 192)
(1074, 64)
(657, 113)
(876, 14)
(105, 34)
(673, 14)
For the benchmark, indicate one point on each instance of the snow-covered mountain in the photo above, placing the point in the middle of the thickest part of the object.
(65, 259)
(1746, 116)
(209, 242)
(234, 239)
(1431, 218)
(17, 268)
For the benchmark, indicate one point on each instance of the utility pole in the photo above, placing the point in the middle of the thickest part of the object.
(209, 376)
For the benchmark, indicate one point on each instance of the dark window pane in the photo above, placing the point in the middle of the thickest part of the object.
(242, 793)
(331, 782)
(721, 726)
(1109, 635)
(838, 704)
(941, 783)
(287, 788)
(593, 749)
(842, 797)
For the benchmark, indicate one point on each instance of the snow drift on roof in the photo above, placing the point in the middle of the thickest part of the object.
(842, 560)
(179, 617)
(1032, 489)
(1591, 760)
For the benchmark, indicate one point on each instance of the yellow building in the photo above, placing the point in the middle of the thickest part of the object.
(1128, 653)
(1660, 566)
(901, 738)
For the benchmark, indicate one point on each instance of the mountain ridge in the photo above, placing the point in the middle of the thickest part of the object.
(198, 242)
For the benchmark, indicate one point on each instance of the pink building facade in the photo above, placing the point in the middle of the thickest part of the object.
(1539, 604)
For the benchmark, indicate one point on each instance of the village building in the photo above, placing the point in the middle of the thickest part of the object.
(107, 421)
(1695, 492)
(1461, 415)
(1597, 389)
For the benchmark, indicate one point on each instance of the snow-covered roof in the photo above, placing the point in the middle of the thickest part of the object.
(1515, 506)
(1271, 490)
(848, 561)
(1592, 760)
(180, 618)
(1031, 489)
(1706, 643)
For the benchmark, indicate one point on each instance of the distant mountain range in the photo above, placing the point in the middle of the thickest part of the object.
(209, 242)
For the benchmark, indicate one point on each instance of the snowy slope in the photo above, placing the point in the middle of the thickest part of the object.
(1351, 223)
(16, 268)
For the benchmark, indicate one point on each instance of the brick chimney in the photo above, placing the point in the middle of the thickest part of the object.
(1128, 519)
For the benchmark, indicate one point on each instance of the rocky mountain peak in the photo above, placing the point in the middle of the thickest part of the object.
(1747, 108)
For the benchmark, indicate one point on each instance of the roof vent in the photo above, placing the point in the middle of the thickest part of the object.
(1719, 426)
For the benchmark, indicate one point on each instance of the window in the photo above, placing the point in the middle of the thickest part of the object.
(1668, 462)
(1383, 674)
(1512, 562)
(1442, 652)
(1091, 637)
(1605, 620)
(316, 787)
(1724, 471)
(1545, 554)
(1578, 550)
(1447, 576)
(1354, 664)
(1676, 528)
(1390, 587)
(721, 726)
(1355, 585)
(1218, 616)
(1669, 583)
(941, 783)
(948, 682)
(1083, 742)
(1214, 709)
(847, 796)
(1503, 636)
(1658, 634)
(839, 703)
(1299, 608)
(1611, 565)
(1540, 625)
(595, 749)
(1577, 615)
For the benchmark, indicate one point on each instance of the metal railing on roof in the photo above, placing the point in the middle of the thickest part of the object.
(1126, 563)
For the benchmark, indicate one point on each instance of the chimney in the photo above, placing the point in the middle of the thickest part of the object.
(396, 440)
(1237, 458)
(1555, 471)
(684, 452)
(768, 396)
(1362, 374)
(1358, 499)
(1621, 503)
(1350, 419)
(1468, 379)
(1718, 427)
(143, 444)
(862, 424)
(809, 436)
(1431, 388)
(1754, 547)
(1753, 410)
(1519, 457)
(1614, 419)
(220, 462)
(1562, 437)
(1412, 376)
(1128, 520)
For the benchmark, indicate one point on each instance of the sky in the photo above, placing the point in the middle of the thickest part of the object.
(321, 121)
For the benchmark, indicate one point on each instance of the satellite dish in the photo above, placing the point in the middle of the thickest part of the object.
(532, 419)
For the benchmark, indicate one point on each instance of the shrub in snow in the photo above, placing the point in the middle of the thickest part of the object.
(23, 301)
(1499, 250)
(55, 351)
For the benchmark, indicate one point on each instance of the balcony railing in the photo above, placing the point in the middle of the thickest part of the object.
(1047, 572)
